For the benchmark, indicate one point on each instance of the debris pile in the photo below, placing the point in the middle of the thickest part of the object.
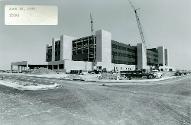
(42, 71)
(108, 76)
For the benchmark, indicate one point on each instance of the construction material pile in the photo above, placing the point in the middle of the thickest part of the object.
(74, 77)
(108, 76)
(26, 85)
(42, 71)
(167, 74)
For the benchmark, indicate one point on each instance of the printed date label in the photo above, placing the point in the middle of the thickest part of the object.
(31, 15)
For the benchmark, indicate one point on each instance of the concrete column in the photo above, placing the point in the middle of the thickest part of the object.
(58, 67)
(53, 49)
(67, 47)
(27, 66)
(104, 50)
(11, 68)
(166, 57)
(18, 69)
(103, 53)
(161, 57)
(61, 46)
(141, 57)
(46, 51)
(21, 68)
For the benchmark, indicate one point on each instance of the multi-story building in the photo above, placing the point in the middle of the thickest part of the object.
(101, 52)
(157, 56)
(84, 49)
(123, 53)
(152, 57)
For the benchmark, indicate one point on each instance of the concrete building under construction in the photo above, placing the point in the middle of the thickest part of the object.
(100, 51)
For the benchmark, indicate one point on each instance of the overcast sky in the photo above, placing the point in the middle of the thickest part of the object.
(165, 22)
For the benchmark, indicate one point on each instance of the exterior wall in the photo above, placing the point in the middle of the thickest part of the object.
(141, 57)
(123, 67)
(116, 67)
(98, 46)
(166, 68)
(87, 66)
(69, 65)
(103, 49)
(61, 50)
(53, 50)
(103, 46)
(107, 66)
(61, 47)
(77, 65)
(161, 57)
(67, 47)
(152, 57)
(20, 65)
(166, 57)
(84, 49)
(57, 64)
(57, 50)
(48, 53)
(123, 53)
(47, 57)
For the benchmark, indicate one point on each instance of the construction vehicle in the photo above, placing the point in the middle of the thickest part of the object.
(138, 23)
(139, 74)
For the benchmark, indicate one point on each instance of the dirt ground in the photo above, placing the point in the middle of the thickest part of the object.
(76, 103)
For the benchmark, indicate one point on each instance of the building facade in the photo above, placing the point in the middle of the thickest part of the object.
(152, 57)
(157, 56)
(84, 49)
(99, 51)
(123, 53)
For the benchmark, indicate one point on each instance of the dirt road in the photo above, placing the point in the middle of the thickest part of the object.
(75, 103)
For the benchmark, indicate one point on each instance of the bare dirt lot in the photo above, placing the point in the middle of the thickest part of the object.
(76, 103)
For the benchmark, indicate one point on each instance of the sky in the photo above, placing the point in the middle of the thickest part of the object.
(165, 22)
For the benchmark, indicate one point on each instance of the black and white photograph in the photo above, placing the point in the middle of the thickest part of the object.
(95, 62)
